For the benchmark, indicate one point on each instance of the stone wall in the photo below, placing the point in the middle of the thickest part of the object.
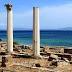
(68, 51)
(54, 49)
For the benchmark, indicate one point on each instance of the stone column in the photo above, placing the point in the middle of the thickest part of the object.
(36, 32)
(9, 28)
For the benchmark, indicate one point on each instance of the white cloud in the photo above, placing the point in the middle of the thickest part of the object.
(56, 16)
(51, 17)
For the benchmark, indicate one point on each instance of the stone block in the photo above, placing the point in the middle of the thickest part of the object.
(6, 61)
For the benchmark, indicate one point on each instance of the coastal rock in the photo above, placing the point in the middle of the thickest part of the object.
(66, 56)
(22, 47)
(42, 49)
(0, 40)
(54, 49)
(3, 62)
(37, 65)
(6, 61)
(63, 67)
(66, 60)
(27, 47)
(46, 49)
(54, 63)
(54, 56)
(50, 59)
(71, 62)
(68, 50)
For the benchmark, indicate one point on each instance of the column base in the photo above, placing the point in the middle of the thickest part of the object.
(9, 53)
(37, 56)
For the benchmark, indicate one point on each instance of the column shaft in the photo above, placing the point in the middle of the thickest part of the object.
(10, 31)
(36, 31)
(9, 28)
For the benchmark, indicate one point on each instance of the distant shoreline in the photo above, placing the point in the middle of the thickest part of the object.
(40, 30)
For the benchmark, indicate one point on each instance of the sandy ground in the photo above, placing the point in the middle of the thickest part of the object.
(29, 64)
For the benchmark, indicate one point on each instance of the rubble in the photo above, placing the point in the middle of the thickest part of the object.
(22, 60)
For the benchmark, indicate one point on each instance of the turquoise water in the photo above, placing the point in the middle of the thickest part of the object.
(48, 37)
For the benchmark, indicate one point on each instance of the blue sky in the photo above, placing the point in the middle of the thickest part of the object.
(54, 14)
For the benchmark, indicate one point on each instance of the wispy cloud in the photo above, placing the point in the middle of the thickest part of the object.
(56, 16)
(51, 17)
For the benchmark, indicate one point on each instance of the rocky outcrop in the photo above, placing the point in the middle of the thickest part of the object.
(0, 40)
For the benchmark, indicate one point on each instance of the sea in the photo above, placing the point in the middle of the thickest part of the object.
(47, 37)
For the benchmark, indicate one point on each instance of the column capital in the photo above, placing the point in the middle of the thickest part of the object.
(35, 7)
(8, 6)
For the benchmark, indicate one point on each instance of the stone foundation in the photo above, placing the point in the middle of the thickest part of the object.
(6, 61)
